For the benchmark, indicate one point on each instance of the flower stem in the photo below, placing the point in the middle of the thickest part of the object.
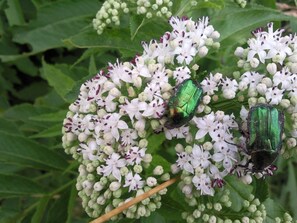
(137, 199)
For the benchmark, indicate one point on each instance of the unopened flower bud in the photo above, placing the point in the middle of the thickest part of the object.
(252, 92)
(252, 101)
(261, 88)
(114, 186)
(262, 100)
(291, 142)
(267, 81)
(158, 170)
(137, 82)
(239, 52)
(285, 103)
(217, 77)
(271, 68)
(254, 62)
(203, 51)
(131, 92)
(147, 158)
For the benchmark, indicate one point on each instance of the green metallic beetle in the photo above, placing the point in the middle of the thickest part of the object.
(183, 104)
(264, 138)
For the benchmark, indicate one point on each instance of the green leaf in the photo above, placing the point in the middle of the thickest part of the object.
(71, 204)
(61, 82)
(24, 111)
(289, 190)
(56, 21)
(9, 127)
(55, 130)
(33, 90)
(154, 217)
(233, 22)
(238, 192)
(155, 141)
(14, 13)
(260, 187)
(58, 209)
(159, 160)
(136, 22)
(273, 210)
(117, 38)
(23, 151)
(14, 185)
(9, 169)
(50, 117)
(41, 208)
(113, 39)
(92, 66)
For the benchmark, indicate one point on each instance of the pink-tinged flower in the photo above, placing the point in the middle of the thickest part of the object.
(133, 182)
(107, 103)
(135, 155)
(134, 108)
(160, 76)
(128, 137)
(179, 133)
(283, 77)
(205, 125)
(90, 151)
(226, 156)
(209, 85)
(185, 51)
(151, 90)
(183, 162)
(257, 48)
(140, 69)
(113, 165)
(274, 95)
(119, 72)
(203, 183)
(112, 123)
(155, 109)
(200, 157)
(252, 78)
(180, 74)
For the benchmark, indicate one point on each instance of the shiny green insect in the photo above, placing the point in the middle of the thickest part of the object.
(264, 138)
(183, 104)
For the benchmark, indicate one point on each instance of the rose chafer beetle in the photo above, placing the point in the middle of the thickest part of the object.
(265, 125)
(183, 104)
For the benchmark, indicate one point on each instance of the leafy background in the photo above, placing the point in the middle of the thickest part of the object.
(48, 48)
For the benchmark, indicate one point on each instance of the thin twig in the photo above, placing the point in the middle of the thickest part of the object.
(137, 199)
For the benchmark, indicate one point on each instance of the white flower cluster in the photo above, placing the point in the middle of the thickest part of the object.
(212, 210)
(112, 10)
(270, 61)
(107, 127)
(205, 166)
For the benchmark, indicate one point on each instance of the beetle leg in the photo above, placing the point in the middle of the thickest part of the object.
(240, 146)
(242, 131)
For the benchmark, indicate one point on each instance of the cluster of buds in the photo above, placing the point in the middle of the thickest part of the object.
(112, 11)
(213, 209)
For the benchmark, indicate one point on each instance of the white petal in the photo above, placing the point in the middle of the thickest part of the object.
(200, 133)
(122, 125)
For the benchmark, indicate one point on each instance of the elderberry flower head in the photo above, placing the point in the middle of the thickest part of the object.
(108, 127)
